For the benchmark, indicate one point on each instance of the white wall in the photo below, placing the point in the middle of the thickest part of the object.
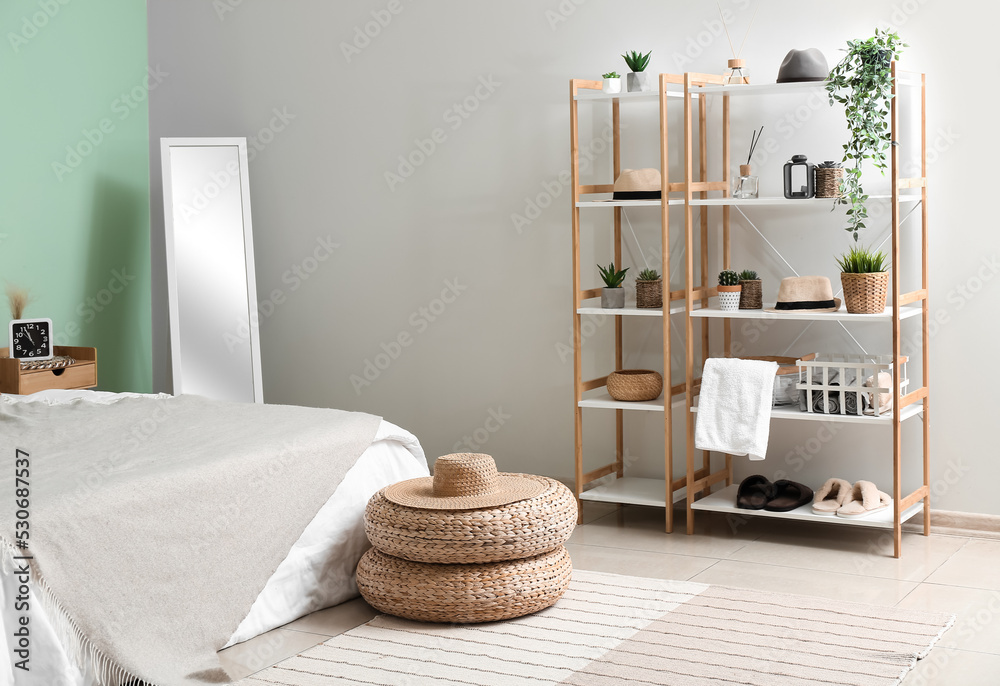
(484, 306)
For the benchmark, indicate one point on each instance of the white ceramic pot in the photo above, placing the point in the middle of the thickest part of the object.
(612, 85)
(729, 298)
(614, 298)
(639, 81)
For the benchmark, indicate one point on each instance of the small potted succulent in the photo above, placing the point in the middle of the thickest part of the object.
(649, 289)
(612, 82)
(612, 295)
(751, 297)
(637, 79)
(729, 290)
(865, 280)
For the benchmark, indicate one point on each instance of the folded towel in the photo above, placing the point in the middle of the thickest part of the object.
(734, 407)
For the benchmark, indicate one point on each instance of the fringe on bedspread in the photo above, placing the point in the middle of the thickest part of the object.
(79, 649)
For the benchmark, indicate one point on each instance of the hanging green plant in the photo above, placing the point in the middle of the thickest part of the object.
(862, 82)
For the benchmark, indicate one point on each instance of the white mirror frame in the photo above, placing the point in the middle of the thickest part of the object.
(172, 291)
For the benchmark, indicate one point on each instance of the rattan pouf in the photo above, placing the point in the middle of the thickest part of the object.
(515, 531)
(463, 593)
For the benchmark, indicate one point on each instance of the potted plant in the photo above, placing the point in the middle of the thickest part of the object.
(751, 297)
(613, 295)
(729, 290)
(862, 82)
(612, 82)
(865, 280)
(637, 80)
(649, 289)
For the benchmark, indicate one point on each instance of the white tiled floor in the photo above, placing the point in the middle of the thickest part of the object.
(936, 573)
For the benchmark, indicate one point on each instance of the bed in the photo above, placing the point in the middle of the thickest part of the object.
(318, 571)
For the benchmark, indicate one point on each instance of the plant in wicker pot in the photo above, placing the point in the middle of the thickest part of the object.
(649, 289)
(865, 280)
(751, 297)
(729, 290)
(612, 295)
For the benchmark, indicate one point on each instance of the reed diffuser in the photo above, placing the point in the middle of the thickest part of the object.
(736, 73)
(746, 186)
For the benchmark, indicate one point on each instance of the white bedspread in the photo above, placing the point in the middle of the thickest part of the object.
(317, 573)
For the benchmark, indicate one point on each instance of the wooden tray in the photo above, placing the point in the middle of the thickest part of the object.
(82, 374)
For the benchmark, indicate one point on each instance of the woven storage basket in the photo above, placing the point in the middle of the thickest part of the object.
(633, 385)
(649, 294)
(865, 293)
(828, 181)
(463, 593)
(751, 297)
(526, 528)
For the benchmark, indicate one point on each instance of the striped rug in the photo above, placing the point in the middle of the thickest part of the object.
(610, 630)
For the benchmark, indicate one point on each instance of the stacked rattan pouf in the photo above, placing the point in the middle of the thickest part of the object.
(468, 545)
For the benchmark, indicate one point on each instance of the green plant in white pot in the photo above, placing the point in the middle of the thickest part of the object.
(612, 82)
(612, 295)
(637, 79)
(862, 82)
(729, 290)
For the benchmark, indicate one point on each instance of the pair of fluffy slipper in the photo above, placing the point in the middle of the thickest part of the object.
(840, 498)
(757, 493)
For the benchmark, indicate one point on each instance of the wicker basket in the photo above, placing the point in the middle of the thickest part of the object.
(649, 294)
(865, 293)
(751, 297)
(522, 529)
(634, 385)
(463, 593)
(828, 181)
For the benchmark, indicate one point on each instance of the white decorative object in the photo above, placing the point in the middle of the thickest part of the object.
(729, 298)
(847, 375)
(612, 85)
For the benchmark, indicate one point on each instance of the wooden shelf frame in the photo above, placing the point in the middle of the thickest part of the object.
(701, 480)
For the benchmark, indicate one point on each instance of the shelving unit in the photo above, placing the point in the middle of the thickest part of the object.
(904, 306)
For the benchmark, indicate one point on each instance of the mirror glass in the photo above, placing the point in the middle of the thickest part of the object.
(214, 347)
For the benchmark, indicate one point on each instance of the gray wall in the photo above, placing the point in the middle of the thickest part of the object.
(459, 314)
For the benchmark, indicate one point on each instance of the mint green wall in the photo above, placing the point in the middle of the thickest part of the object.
(74, 223)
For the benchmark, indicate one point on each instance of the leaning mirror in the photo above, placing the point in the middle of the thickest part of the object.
(214, 346)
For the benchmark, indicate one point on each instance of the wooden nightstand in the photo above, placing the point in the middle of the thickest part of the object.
(81, 374)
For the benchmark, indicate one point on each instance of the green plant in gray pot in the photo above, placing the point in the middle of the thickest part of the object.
(648, 289)
(637, 79)
(612, 295)
(862, 82)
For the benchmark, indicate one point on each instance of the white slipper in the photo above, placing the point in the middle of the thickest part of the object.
(864, 499)
(831, 497)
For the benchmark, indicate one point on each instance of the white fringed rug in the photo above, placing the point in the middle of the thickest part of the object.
(610, 630)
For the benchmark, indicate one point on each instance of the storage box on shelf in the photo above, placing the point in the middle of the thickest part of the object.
(904, 306)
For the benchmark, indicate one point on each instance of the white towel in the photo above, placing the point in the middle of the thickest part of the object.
(734, 406)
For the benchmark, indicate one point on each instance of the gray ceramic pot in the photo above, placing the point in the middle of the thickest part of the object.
(612, 298)
(638, 81)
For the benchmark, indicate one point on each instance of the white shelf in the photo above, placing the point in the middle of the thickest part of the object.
(725, 501)
(630, 311)
(781, 200)
(627, 203)
(882, 420)
(632, 491)
(842, 315)
(606, 402)
(591, 94)
(763, 88)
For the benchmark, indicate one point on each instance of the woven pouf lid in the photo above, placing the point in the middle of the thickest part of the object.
(522, 529)
(463, 593)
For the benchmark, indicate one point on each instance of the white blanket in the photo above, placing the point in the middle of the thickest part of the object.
(734, 406)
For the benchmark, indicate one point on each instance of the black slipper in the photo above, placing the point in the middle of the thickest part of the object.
(788, 496)
(754, 493)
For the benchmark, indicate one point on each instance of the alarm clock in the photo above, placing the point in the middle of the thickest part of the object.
(31, 339)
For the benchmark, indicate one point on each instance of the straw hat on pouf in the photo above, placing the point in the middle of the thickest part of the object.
(469, 544)
(470, 513)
